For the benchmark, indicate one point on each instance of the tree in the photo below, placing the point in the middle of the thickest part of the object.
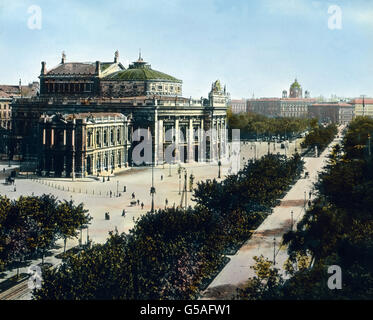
(69, 218)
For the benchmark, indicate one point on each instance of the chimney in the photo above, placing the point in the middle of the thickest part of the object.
(98, 68)
(43, 68)
(116, 56)
(63, 57)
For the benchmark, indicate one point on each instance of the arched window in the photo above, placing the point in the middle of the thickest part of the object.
(89, 139)
(119, 159)
(118, 135)
(106, 162)
(105, 137)
(98, 162)
(112, 136)
(98, 138)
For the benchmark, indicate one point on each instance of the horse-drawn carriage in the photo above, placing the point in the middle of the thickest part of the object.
(9, 180)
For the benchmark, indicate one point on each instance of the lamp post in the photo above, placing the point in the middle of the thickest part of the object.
(274, 251)
(179, 183)
(305, 199)
(185, 189)
(292, 220)
(369, 144)
(152, 189)
(87, 236)
(219, 165)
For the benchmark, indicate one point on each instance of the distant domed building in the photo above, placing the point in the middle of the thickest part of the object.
(295, 90)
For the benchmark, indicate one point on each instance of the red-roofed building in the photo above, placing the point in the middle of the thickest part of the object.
(338, 112)
(294, 106)
(238, 106)
(362, 106)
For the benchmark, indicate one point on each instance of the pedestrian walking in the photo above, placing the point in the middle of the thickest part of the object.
(161, 177)
(111, 193)
(138, 202)
(166, 201)
(142, 205)
(133, 195)
(124, 213)
(310, 194)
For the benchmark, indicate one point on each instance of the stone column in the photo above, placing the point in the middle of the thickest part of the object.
(52, 137)
(160, 141)
(202, 144)
(51, 169)
(73, 152)
(190, 139)
(156, 137)
(64, 157)
(177, 136)
(93, 163)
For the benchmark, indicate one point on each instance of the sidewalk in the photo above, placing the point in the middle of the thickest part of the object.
(266, 240)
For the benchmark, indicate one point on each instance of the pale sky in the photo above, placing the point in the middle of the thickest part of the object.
(251, 46)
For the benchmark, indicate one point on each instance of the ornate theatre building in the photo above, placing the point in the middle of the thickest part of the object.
(83, 121)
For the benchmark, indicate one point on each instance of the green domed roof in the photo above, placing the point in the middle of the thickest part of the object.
(295, 84)
(140, 70)
(140, 74)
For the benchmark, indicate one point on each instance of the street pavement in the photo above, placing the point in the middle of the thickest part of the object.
(266, 240)
(95, 194)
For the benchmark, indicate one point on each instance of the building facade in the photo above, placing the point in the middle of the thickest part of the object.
(5, 110)
(7, 94)
(340, 113)
(292, 106)
(238, 106)
(77, 145)
(362, 107)
(64, 91)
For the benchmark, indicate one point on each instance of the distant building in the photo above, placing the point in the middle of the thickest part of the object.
(339, 112)
(362, 106)
(5, 110)
(266, 106)
(239, 106)
(7, 95)
(293, 106)
(17, 91)
(295, 90)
